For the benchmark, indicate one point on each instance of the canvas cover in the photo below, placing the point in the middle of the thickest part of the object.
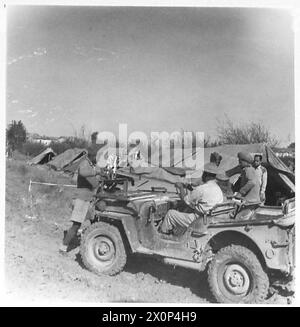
(229, 165)
(68, 160)
(230, 160)
(43, 157)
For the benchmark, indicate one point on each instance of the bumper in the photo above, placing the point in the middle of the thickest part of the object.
(285, 286)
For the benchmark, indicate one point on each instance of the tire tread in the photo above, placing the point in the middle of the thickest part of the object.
(262, 281)
(120, 249)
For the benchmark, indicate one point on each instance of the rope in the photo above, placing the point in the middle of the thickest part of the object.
(50, 184)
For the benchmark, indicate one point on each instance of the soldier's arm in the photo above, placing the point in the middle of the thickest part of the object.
(182, 191)
(250, 177)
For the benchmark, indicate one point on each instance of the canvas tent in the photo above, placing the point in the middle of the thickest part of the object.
(229, 155)
(280, 178)
(68, 160)
(281, 181)
(43, 157)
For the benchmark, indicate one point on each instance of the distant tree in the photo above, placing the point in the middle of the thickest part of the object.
(208, 143)
(16, 135)
(82, 133)
(292, 145)
(69, 143)
(229, 133)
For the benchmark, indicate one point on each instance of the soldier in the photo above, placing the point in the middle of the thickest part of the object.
(216, 158)
(262, 175)
(249, 183)
(87, 183)
(209, 194)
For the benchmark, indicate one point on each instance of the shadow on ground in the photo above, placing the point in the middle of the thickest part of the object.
(188, 278)
(194, 280)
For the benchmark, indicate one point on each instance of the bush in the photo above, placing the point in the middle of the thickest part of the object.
(32, 149)
(17, 155)
(23, 169)
(69, 143)
(16, 135)
(229, 133)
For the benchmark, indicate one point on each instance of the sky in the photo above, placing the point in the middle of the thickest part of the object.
(155, 69)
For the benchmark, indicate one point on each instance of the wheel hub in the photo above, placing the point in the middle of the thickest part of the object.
(236, 279)
(103, 249)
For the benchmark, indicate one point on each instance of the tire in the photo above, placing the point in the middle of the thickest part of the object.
(102, 250)
(235, 275)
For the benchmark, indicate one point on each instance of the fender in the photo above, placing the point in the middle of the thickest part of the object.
(262, 241)
(128, 227)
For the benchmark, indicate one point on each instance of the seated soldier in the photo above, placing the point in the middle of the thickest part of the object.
(209, 194)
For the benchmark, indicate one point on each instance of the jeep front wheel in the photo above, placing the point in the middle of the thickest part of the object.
(235, 275)
(102, 249)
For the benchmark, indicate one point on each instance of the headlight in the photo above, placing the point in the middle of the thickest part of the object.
(101, 205)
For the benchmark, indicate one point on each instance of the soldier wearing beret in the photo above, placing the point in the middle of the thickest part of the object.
(249, 183)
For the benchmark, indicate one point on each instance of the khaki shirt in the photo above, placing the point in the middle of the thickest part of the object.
(208, 194)
(262, 175)
(250, 185)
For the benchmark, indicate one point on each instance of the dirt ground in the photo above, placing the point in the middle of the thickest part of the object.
(36, 273)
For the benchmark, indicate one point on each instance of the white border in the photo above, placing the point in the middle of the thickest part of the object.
(295, 11)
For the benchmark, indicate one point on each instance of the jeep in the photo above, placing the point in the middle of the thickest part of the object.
(247, 249)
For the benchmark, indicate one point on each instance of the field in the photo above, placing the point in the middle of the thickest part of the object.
(36, 272)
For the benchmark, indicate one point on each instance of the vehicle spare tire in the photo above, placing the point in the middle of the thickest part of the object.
(235, 275)
(102, 249)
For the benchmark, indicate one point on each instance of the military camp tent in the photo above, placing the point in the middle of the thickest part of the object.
(68, 160)
(43, 157)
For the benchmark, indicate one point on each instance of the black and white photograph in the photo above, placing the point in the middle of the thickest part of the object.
(149, 154)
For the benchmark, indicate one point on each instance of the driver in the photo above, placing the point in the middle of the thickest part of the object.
(208, 194)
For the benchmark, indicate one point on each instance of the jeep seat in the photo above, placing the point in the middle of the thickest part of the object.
(246, 210)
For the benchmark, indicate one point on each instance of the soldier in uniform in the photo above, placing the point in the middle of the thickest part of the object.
(87, 183)
(209, 194)
(249, 183)
(262, 175)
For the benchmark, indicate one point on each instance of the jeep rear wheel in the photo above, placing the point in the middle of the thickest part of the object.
(235, 275)
(102, 249)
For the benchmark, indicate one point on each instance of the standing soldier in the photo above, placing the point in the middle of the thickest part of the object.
(249, 185)
(262, 175)
(87, 183)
